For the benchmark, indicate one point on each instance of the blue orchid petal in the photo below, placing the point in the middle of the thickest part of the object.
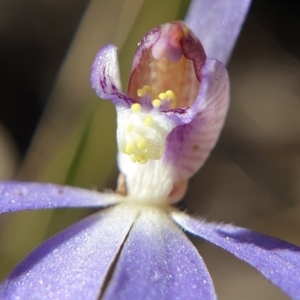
(16, 196)
(217, 23)
(159, 262)
(74, 263)
(277, 260)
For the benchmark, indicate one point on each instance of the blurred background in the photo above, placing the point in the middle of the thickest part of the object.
(53, 128)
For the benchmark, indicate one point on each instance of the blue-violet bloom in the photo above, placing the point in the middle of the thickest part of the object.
(168, 122)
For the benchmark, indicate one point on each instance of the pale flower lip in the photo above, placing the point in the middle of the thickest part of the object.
(194, 126)
(135, 250)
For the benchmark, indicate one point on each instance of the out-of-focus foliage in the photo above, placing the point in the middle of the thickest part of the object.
(252, 174)
(8, 155)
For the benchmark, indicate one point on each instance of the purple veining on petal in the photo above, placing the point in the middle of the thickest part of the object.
(16, 196)
(189, 145)
(105, 78)
(74, 263)
(159, 262)
(277, 260)
(217, 23)
(179, 111)
(193, 49)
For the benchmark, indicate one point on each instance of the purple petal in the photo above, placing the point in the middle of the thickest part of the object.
(74, 263)
(16, 196)
(217, 24)
(105, 78)
(277, 260)
(159, 262)
(189, 145)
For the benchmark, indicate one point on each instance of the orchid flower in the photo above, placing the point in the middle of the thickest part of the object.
(168, 122)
